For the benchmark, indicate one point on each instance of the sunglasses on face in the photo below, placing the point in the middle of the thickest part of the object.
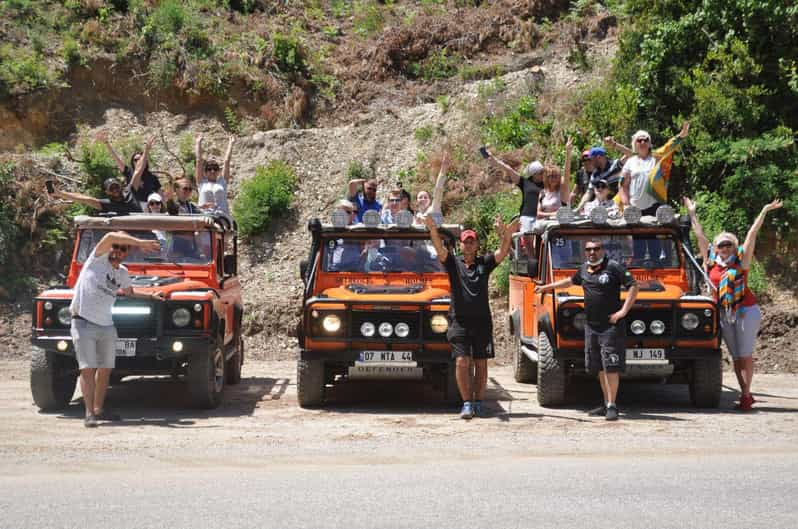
(642, 140)
(187, 189)
(119, 247)
(212, 168)
(154, 202)
(350, 211)
(395, 200)
(590, 249)
(114, 189)
(726, 244)
(600, 186)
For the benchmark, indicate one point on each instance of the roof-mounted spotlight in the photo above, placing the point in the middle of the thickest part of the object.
(632, 214)
(371, 218)
(340, 218)
(403, 219)
(599, 215)
(565, 215)
(665, 214)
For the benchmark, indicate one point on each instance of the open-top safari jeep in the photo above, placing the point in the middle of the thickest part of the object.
(672, 332)
(195, 332)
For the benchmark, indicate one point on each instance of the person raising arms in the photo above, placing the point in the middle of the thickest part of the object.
(556, 192)
(530, 181)
(211, 187)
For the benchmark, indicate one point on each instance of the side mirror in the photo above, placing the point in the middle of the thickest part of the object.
(303, 269)
(230, 265)
(532, 267)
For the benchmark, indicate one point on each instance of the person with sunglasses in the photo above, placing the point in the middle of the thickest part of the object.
(155, 204)
(434, 207)
(365, 200)
(212, 186)
(556, 187)
(727, 264)
(182, 205)
(601, 278)
(394, 206)
(530, 181)
(601, 189)
(101, 280)
(138, 176)
(119, 200)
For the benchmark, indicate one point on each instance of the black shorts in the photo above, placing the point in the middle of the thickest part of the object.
(474, 340)
(606, 349)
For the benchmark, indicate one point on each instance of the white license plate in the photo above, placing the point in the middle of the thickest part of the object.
(386, 356)
(126, 347)
(645, 355)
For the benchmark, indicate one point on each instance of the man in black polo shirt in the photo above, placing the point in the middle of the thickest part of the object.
(120, 200)
(605, 330)
(470, 331)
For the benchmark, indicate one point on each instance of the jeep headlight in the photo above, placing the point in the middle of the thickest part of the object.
(638, 327)
(64, 317)
(657, 327)
(690, 321)
(439, 324)
(579, 321)
(331, 323)
(181, 317)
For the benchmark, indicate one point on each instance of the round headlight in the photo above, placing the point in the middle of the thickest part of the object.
(657, 327)
(367, 329)
(331, 323)
(402, 330)
(708, 312)
(439, 324)
(181, 317)
(386, 329)
(197, 307)
(690, 321)
(638, 327)
(48, 305)
(579, 321)
(64, 317)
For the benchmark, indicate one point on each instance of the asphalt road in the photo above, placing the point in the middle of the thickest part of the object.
(591, 492)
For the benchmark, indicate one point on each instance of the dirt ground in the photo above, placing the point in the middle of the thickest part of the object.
(376, 421)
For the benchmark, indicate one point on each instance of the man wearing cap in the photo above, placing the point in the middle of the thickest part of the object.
(530, 182)
(605, 329)
(470, 331)
(120, 200)
(367, 199)
(604, 168)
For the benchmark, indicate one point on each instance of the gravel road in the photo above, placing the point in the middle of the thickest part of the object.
(394, 456)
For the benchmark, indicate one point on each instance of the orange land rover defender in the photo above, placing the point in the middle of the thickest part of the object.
(195, 332)
(672, 331)
(374, 307)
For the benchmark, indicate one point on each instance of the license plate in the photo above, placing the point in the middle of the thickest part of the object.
(386, 356)
(645, 355)
(126, 347)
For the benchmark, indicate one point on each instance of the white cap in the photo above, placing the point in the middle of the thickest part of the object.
(156, 197)
(532, 169)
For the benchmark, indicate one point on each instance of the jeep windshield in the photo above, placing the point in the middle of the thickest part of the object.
(380, 256)
(633, 250)
(180, 247)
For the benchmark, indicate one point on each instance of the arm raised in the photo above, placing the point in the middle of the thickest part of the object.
(703, 241)
(505, 231)
(753, 231)
(440, 249)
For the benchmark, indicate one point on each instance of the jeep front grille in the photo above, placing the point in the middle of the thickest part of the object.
(411, 318)
(647, 315)
(135, 318)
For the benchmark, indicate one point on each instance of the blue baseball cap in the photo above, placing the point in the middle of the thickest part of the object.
(597, 151)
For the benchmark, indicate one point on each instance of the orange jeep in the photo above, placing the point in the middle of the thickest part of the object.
(375, 306)
(672, 332)
(195, 332)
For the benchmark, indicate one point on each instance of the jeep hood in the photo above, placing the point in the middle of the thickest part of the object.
(418, 292)
(652, 289)
(171, 286)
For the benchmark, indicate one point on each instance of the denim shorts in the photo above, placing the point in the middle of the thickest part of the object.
(95, 345)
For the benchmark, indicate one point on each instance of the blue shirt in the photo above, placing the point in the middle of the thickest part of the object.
(364, 205)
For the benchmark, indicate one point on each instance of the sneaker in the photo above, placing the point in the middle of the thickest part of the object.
(612, 413)
(601, 411)
(467, 412)
(106, 415)
(90, 421)
(478, 408)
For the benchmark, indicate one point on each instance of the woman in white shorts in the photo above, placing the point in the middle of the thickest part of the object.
(727, 263)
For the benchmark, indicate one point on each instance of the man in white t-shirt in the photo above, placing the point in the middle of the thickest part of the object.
(93, 333)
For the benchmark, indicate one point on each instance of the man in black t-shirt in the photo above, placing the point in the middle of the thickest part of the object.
(120, 200)
(605, 330)
(530, 182)
(470, 332)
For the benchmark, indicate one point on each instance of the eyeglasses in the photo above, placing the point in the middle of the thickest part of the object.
(119, 247)
(350, 211)
(114, 188)
(212, 168)
(642, 140)
(725, 244)
(590, 249)
(600, 186)
(187, 188)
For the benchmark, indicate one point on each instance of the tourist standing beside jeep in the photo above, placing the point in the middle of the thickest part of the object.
(92, 329)
(470, 332)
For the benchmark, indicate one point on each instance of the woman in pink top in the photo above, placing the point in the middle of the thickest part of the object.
(556, 187)
(728, 263)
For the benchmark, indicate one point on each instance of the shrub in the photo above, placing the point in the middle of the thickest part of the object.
(265, 196)
(424, 134)
(437, 65)
(21, 71)
(288, 54)
(368, 18)
(98, 165)
(516, 126)
(357, 170)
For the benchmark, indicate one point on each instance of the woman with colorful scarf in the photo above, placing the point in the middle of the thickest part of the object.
(727, 264)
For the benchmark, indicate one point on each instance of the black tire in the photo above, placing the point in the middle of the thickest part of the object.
(233, 367)
(706, 382)
(524, 369)
(451, 391)
(310, 383)
(552, 374)
(115, 379)
(52, 379)
(205, 377)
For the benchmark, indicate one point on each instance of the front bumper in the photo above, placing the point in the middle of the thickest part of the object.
(424, 356)
(148, 349)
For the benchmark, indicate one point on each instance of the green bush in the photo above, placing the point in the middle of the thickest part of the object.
(22, 71)
(265, 196)
(97, 164)
(516, 126)
(368, 18)
(424, 134)
(288, 54)
(437, 65)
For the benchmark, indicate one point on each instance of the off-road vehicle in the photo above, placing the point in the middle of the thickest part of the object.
(672, 331)
(195, 332)
(375, 306)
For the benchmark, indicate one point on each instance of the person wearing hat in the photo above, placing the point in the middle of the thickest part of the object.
(602, 191)
(155, 204)
(470, 332)
(138, 177)
(120, 200)
(727, 263)
(604, 168)
(530, 182)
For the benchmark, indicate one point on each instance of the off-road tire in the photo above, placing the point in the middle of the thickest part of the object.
(52, 379)
(524, 369)
(205, 377)
(706, 381)
(310, 383)
(233, 368)
(552, 374)
(451, 391)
